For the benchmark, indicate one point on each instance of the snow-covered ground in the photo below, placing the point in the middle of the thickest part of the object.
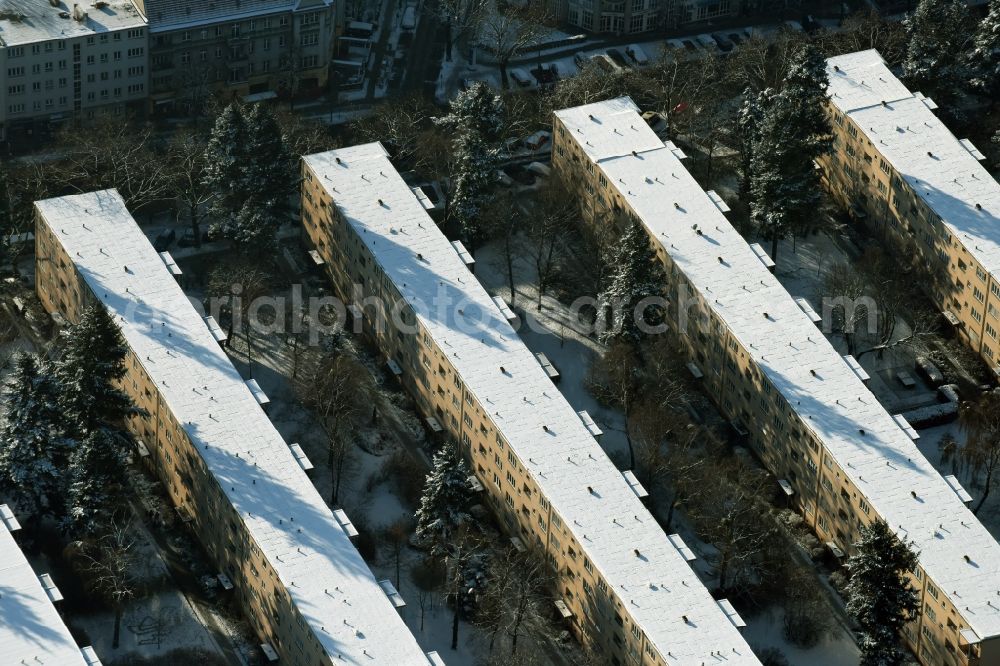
(764, 630)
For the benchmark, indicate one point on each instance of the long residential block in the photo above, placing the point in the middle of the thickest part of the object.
(804, 407)
(624, 584)
(31, 629)
(895, 165)
(303, 585)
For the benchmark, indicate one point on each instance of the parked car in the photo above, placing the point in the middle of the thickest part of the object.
(164, 239)
(618, 58)
(736, 38)
(520, 77)
(706, 42)
(689, 45)
(539, 169)
(537, 140)
(725, 45)
(638, 56)
(606, 63)
(187, 238)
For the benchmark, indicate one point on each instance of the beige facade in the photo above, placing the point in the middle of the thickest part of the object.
(299, 581)
(430, 364)
(796, 426)
(57, 62)
(883, 179)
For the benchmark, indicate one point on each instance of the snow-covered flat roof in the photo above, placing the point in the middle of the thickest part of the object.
(944, 171)
(816, 381)
(167, 15)
(329, 583)
(612, 527)
(41, 21)
(31, 630)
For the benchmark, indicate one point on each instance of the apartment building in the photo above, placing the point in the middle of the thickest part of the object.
(287, 557)
(804, 408)
(60, 60)
(31, 630)
(627, 17)
(895, 165)
(624, 585)
(258, 48)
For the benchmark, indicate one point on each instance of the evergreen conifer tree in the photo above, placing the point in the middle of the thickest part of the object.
(92, 364)
(226, 157)
(880, 597)
(94, 480)
(636, 275)
(475, 117)
(34, 450)
(445, 500)
(252, 172)
(984, 58)
(7, 221)
(787, 132)
(938, 32)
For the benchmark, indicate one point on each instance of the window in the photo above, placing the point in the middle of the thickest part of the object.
(15, 71)
(311, 19)
(15, 52)
(16, 90)
(865, 507)
(990, 331)
(15, 108)
(266, 45)
(929, 612)
(980, 273)
(931, 590)
(979, 295)
(977, 315)
(308, 62)
(511, 480)
(309, 39)
(137, 33)
(136, 52)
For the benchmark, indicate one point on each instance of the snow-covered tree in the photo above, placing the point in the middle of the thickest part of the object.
(939, 32)
(271, 171)
(33, 448)
(95, 478)
(251, 172)
(785, 133)
(636, 275)
(476, 120)
(7, 220)
(880, 597)
(445, 500)
(984, 58)
(748, 124)
(225, 160)
(91, 365)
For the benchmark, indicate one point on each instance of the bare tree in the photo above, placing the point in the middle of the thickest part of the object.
(397, 534)
(503, 219)
(462, 19)
(427, 577)
(341, 393)
(734, 517)
(845, 301)
(303, 135)
(516, 601)
(866, 30)
(546, 229)
(981, 422)
(402, 125)
(509, 29)
(186, 160)
(615, 380)
(760, 63)
(106, 567)
(112, 151)
(237, 285)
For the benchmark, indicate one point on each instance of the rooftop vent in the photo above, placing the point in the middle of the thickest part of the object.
(677, 205)
(503, 370)
(766, 316)
(590, 489)
(593, 117)
(979, 206)
(381, 203)
(635, 154)
(861, 431)
(419, 256)
(812, 372)
(721, 261)
(545, 428)
(967, 558)
(836, 68)
(337, 160)
(637, 553)
(930, 154)
(914, 493)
